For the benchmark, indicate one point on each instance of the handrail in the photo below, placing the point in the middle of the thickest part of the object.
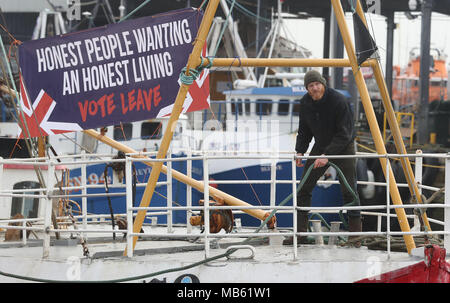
(165, 210)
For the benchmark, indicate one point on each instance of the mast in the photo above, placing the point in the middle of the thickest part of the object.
(398, 139)
(371, 118)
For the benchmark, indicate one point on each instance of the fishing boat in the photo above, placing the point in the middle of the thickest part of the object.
(406, 80)
(170, 252)
(67, 241)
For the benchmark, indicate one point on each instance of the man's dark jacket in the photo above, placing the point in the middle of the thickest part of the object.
(329, 120)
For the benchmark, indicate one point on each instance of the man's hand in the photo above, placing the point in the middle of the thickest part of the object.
(298, 161)
(320, 162)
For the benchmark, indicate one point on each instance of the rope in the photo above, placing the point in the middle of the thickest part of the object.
(251, 186)
(188, 77)
(352, 5)
(111, 211)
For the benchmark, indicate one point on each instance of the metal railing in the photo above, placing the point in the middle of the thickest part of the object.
(44, 224)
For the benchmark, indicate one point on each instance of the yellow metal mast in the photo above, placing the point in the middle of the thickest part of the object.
(390, 114)
(371, 118)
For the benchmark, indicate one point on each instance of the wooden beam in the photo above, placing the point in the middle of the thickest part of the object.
(263, 62)
(193, 62)
(198, 185)
(373, 124)
(395, 129)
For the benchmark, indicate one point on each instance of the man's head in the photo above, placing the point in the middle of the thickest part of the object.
(315, 84)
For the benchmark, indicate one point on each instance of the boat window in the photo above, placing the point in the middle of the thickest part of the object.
(151, 130)
(296, 107)
(283, 107)
(26, 206)
(264, 107)
(247, 106)
(233, 106)
(437, 83)
(123, 132)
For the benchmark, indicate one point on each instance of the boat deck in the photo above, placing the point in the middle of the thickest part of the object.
(164, 259)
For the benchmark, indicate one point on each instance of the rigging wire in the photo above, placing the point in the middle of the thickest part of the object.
(249, 13)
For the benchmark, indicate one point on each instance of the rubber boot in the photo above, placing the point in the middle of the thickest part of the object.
(354, 225)
(302, 226)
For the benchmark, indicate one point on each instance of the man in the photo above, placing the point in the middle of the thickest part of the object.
(325, 115)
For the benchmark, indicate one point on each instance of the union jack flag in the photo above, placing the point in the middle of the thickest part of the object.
(35, 117)
(63, 90)
(197, 98)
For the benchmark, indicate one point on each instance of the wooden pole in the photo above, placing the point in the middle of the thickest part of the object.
(198, 185)
(390, 114)
(398, 140)
(373, 124)
(228, 199)
(193, 62)
(262, 62)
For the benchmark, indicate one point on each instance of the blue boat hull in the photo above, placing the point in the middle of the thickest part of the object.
(260, 194)
(257, 194)
(100, 205)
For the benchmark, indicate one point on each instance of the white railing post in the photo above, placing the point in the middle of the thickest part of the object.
(129, 203)
(24, 232)
(379, 218)
(273, 177)
(418, 177)
(84, 193)
(447, 203)
(294, 205)
(189, 192)
(419, 169)
(169, 193)
(206, 202)
(388, 209)
(48, 210)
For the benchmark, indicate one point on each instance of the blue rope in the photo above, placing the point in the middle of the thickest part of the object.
(189, 78)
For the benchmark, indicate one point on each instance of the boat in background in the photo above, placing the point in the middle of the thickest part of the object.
(406, 82)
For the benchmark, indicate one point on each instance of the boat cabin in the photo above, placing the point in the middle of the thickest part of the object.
(266, 104)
